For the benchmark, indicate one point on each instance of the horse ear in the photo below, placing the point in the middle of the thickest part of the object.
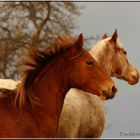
(79, 42)
(104, 36)
(114, 36)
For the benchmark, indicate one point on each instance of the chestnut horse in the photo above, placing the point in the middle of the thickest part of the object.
(33, 108)
(83, 114)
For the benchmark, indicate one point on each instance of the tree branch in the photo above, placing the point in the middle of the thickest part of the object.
(39, 29)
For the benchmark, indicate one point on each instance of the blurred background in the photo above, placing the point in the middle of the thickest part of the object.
(25, 24)
(123, 112)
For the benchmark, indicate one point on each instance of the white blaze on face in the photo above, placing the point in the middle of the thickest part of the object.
(8, 84)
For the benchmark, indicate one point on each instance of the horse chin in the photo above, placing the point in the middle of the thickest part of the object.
(102, 97)
(106, 97)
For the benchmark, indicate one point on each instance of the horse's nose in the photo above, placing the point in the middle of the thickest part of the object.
(112, 92)
(134, 79)
(109, 93)
(114, 89)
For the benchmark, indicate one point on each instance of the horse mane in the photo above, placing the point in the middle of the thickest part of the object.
(34, 61)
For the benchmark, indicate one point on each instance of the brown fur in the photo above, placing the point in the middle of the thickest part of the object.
(46, 78)
(35, 61)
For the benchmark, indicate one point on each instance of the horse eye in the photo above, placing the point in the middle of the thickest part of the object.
(89, 62)
(125, 52)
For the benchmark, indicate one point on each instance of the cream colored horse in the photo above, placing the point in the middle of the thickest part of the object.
(83, 114)
(8, 83)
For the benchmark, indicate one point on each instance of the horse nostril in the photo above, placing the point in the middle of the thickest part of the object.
(134, 78)
(114, 89)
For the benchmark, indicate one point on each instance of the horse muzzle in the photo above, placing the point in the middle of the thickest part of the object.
(108, 94)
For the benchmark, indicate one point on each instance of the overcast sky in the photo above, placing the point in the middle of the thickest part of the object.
(123, 115)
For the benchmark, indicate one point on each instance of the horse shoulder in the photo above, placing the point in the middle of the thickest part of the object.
(79, 110)
(70, 116)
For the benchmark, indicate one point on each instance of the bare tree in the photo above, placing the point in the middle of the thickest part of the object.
(24, 24)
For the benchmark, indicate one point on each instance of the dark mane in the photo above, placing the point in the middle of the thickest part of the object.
(32, 64)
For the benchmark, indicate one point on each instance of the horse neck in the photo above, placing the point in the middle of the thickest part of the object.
(102, 57)
(51, 89)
